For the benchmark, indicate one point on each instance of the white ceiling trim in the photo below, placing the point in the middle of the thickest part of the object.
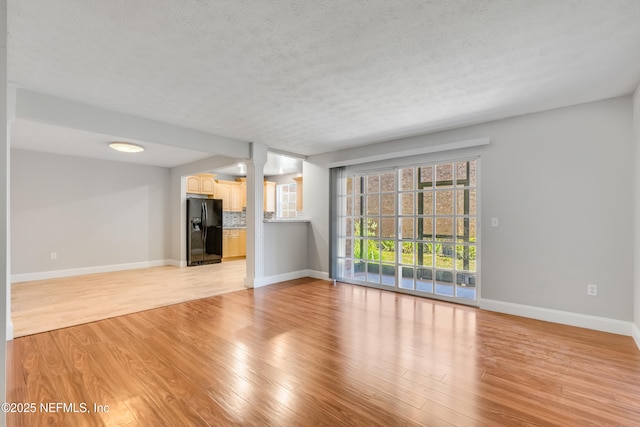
(476, 142)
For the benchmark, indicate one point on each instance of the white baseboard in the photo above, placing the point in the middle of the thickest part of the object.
(635, 333)
(54, 274)
(322, 275)
(270, 280)
(603, 324)
(176, 263)
(277, 278)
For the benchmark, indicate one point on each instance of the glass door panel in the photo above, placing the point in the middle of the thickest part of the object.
(414, 229)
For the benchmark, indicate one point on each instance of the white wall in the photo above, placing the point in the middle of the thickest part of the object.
(285, 248)
(91, 212)
(5, 268)
(636, 214)
(560, 182)
(315, 193)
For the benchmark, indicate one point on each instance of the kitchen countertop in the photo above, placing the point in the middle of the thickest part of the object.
(277, 220)
(274, 220)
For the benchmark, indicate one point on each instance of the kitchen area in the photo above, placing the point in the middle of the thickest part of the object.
(217, 202)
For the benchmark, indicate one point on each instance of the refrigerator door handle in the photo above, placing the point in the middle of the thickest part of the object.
(206, 219)
(202, 223)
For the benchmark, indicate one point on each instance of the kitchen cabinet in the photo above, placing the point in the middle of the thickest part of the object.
(234, 243)
(234, 195)
(236, 198)
(269, 196)
(231, 194)
(193, 185)
(223, 192)
(203, 183)
(243, 191)
(207, 184)
(298, 181)
(225, 244)
(243, 242)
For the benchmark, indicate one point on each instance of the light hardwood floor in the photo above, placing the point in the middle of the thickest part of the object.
(306, 353)
(45, 305)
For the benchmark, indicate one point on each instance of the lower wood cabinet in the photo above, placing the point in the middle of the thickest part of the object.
(234, 242)
(243, 242)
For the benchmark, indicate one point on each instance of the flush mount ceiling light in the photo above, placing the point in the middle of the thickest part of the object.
(126, 147)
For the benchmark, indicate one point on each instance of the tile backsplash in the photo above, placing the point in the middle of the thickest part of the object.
(239, 219)
(234, 219)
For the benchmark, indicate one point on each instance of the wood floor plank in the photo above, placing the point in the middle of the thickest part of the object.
(305, 352)
(45, 305)
(15, 356)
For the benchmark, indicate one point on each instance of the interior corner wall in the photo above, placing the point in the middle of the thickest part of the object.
(636, 215)
(315, 193)
(92, 213)
(5, 256)
(559, 181)
(176, 249)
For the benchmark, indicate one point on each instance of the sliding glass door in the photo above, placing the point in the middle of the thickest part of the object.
(412, 229)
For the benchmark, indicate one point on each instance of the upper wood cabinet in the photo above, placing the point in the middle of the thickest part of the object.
(207, 184)
(223, 192)
(234, 195)
(236, 198)
(243, 191)
(231, 194)
(193, 184)
(269, 196)
(298, 181)
(203, 183)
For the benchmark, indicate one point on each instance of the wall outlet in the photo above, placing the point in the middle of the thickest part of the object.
(592, 290)
(54, 255)
(495, 222)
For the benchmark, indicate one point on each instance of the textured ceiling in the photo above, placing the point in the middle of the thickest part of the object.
(315, 76)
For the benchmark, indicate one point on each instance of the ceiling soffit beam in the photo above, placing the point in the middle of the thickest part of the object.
(62, 112)
(287, 153)
(210, 163)
(383, 151)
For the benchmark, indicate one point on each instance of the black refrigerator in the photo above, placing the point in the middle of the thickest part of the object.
(204, 231)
